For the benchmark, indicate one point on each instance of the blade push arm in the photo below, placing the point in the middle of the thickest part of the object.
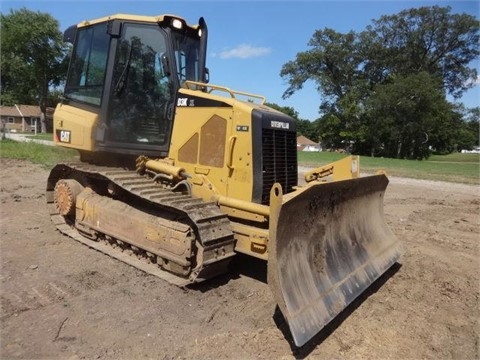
(347, 168)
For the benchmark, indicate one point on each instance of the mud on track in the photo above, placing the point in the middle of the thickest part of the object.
(62, 300)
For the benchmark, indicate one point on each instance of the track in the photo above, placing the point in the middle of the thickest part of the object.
(211, 227)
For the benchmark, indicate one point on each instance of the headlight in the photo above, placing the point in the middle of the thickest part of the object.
(177, 24)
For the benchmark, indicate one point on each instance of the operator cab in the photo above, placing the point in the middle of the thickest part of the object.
(130, 68)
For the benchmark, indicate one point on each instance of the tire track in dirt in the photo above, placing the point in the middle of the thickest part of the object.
(25, 297)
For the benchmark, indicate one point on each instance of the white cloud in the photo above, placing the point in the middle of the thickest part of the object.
(245, 51)
(473, 82)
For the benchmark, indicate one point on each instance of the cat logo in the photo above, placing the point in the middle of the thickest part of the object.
(64, 136)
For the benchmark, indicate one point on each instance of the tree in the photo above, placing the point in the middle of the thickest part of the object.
(304, 127)
(407, 117)
(427, 39)
(351, 70)
(33, 58)
(287, 110)
(329, 129)
(333, 63)
(466, 129)
(472, 124)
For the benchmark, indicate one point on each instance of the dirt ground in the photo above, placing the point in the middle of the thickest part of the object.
(62, 300)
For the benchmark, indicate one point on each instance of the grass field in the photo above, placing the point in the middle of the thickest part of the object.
(45, 155)
(457, 167)
(463, 168)
(40, 136)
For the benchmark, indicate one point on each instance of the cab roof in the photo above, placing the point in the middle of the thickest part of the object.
(142, 18)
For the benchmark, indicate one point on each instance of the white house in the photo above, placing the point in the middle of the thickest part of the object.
(305, 144)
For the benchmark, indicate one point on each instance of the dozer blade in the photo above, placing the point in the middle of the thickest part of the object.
(328, 243)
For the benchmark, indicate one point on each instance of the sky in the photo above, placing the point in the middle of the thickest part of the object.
(250, 41)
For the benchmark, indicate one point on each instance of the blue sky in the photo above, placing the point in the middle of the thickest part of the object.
(249, 41)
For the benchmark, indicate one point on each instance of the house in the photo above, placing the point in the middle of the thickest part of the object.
(475, 150)
(305, 144)
(24, 117)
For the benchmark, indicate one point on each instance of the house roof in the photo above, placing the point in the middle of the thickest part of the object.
(25, 111)
(303, 141)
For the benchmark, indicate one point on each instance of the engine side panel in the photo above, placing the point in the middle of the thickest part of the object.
(199, 143)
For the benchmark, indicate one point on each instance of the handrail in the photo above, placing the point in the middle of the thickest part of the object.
(231, 145)
(232, 93)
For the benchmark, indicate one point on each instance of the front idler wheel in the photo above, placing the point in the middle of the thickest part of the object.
(65, 194)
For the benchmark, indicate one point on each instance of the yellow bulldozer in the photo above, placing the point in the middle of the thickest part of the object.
(176, 176)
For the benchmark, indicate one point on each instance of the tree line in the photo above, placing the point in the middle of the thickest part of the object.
(382, 91)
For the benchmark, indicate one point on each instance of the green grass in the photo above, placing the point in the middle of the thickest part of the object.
(457, 157)
(463, 168)
(40, 136)
(45, 155)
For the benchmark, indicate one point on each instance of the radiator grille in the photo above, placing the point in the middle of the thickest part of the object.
(279, 149)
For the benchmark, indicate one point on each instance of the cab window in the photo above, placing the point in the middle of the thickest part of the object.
(141, 92)
(86, 79)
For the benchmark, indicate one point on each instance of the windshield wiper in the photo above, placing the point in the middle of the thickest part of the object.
(122, 81)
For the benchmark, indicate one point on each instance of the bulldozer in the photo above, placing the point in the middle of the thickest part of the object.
(176, 176)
